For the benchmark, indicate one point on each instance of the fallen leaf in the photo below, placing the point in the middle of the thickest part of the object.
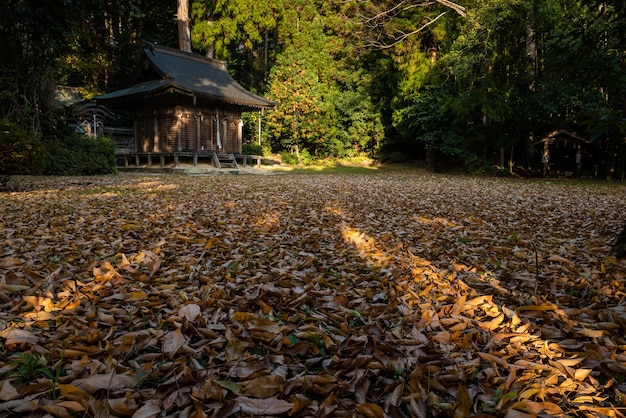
(110, 381)
(173, 341)
(269, 406)
(370, 410)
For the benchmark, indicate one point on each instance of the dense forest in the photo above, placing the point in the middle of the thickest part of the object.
(471, 84)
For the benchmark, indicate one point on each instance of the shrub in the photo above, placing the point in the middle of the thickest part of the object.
(76, 154)
(20, 152)
(252, 149)
(288, 158)
(291, 158)
(395, 157)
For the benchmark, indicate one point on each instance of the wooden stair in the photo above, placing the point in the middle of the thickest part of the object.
(223, 160)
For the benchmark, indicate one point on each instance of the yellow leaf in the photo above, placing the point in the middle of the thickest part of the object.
(570, 362)
(581, 374)
(210, 242)
(538, 308)
(589, 399)
(495, 322)
(244, 316)
(528, 393)
(591, 333)
(75, 394)
(137, 296)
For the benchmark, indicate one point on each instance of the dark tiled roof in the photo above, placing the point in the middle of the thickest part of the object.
(188, 73)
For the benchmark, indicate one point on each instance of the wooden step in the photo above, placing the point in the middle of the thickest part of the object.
(223, 160)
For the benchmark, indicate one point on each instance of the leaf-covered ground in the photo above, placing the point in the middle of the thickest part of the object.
(376, 295)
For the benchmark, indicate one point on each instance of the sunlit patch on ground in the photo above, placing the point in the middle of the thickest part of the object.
(389, 293)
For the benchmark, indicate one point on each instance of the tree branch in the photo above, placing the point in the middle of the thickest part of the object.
(381, 45)
(456, 7)
(375, 21)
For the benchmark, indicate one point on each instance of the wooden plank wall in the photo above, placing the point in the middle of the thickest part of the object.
(157, 128)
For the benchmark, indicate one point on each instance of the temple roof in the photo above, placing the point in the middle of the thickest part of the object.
(187, 73)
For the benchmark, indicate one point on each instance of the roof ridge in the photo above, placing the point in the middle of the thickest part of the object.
(187, 55)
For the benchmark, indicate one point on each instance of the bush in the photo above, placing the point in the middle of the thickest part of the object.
(292, 159)
(288, 158)
(20, 152)
(252, 149)
(395, 157)
(76, 154)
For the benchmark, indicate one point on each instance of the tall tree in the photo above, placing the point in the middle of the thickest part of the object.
(106, 40)
(32, 34)
(583, 79)
(240, 31)
(323, 103)
(182, 18)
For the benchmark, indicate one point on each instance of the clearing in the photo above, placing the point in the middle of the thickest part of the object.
(381, 294)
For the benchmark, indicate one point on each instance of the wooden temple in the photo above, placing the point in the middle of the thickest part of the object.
(183, 105)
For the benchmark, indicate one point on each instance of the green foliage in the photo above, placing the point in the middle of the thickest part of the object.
(20, 152)
(427, 121)
(351, 78)
(79, 155)
(104, 41)
(30, 367)
(304, 116)
(324, 102)
(252, 149)
(292, 158)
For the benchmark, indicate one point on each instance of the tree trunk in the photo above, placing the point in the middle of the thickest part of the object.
(182, 17)
(298, 155)
(620, 244)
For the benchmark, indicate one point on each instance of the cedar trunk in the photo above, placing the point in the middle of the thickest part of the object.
(184, 39)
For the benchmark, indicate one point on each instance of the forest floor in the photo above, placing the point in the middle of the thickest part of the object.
(375, 294)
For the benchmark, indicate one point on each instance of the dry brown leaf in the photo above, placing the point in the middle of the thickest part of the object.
(173, 341)
(110, 381)
(558, 259)
(8, 392)
(18, 336)
(464, 402)
(312, 293)
(124, 407)
(269, 406)
(150, 409)
(264, 386)
(370, 410)
(191, 312)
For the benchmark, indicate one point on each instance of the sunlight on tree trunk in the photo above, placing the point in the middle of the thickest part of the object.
(182, 17)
